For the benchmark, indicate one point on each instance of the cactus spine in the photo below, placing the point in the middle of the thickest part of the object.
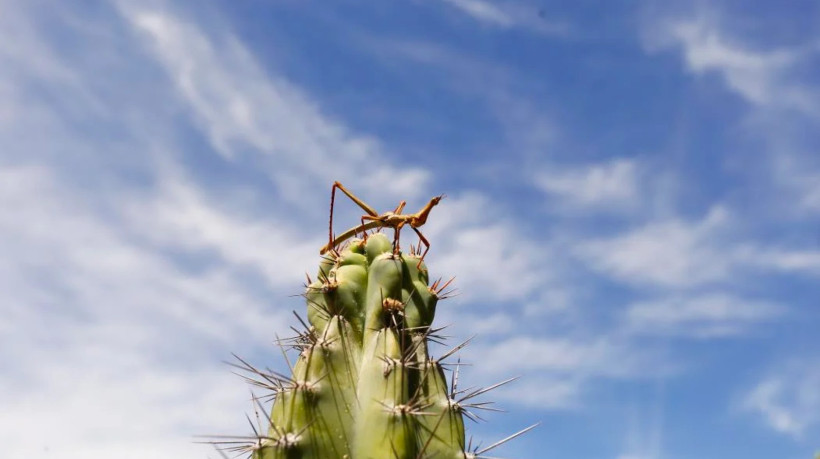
(364, 385)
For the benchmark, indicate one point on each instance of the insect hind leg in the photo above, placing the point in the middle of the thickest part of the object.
(331, 243)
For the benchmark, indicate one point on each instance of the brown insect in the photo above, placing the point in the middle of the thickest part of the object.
(393, 219)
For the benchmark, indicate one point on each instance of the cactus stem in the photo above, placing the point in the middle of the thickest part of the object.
(363, 385)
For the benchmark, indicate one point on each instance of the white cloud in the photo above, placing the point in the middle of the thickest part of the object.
(484, 11)
(699, 316)
(788, 399)
(180, 217)
(485, 325)
(114, 404)
(240, 107)
(556, 371)
(560, 356)
(805, 261)
(507, 14)
(115, 345)
(544, 392)
(643, 425)
(614, 184)
(751, 74)
(783, 99)
(679, 254)
(528, 127)
(763, 78)
(480, 245)
(669, 253)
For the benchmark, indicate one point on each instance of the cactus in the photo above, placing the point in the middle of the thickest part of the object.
(364, 385)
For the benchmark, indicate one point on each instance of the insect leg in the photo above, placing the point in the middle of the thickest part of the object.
(396, 246)
(331, 242)
(424, 241)
(351, 233)
(400, 207)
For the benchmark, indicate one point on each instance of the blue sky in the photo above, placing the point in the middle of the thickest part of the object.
(633, 199)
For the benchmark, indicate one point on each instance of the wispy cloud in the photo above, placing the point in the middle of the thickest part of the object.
(553, 392)
(612, 185)
(775, 82)
(681, 254)
(507, 14)
(528, 128)
(484, 11)
(668, 253)
(469, 227)
(564, 368)
(242, 108)
(793, 261)
(104, 326)
(179, 217)
(762, 78)
(645, 427)
(792, 155)
(601, 357)
(711, 315)
(788, 399)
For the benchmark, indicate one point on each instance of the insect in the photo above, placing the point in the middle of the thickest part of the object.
(393, 219)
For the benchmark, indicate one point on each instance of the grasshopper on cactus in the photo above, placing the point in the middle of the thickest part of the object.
(394, 219)
(364, 385)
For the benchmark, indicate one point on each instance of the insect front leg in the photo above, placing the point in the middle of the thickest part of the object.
(397, 235)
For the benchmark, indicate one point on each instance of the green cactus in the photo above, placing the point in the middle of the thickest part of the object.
(364, 385)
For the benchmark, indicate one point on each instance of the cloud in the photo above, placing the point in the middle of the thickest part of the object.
(483, 11)
(180, 217)
(680, 254)
(668, 253)
(763, 78)
(104, 326)
(558, 371)
(781, 98)
(561, 356)
(750, 74)
(244, 110)
(528, 128)
(613, 184)
(711, 315)
(544, 392)
(111, 401)
(643, 425)
(797, 261)
(506, 15)
(794, 164)
(788, 399)
(493, 260)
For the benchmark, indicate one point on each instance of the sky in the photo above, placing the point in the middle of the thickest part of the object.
(632, 212)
